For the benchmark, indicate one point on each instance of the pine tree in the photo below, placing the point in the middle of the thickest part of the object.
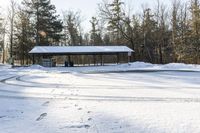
(117, 15)
(46, 23)
(24, 40)
(195, 25)
(174, 23)
(149, 26)
(95, 37)
(120, 25)
(72, 27)
(113, 14)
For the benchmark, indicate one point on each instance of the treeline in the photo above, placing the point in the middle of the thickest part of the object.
(159, 35)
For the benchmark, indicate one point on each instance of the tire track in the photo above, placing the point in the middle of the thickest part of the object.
(4, 81)
(76, 96)
(44, 85)
(107, 99)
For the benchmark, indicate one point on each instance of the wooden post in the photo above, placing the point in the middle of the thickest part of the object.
(33, 59)
(94, 57)
(101, 60)
(69, 59)
(129, 57)
(88, 59)
(117, 58)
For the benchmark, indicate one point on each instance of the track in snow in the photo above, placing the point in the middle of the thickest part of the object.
(20, 83)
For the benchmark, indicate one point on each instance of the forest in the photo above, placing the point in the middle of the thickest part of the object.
(163, 34)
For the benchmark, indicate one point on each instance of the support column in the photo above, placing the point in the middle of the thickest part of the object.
(94, 57)
(129, 57)
(101, 60)
(33, 56)
(69, 59)
(118, 58)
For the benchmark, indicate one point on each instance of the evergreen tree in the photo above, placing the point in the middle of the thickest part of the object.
(149, 26)
(113, 14)
(95, 37)
(24, 37)
(137, 38)
(120, 25)
(72, 27)
(175, 25)
(45, 21)
(195, 29)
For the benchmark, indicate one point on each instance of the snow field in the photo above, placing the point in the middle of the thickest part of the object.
(82, 100)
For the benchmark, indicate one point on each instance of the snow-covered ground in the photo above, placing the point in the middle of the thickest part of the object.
(129, 98)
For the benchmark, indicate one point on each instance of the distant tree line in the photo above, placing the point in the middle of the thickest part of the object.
(163, 34)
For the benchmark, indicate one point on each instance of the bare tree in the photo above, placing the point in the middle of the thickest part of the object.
(11, 16)
(161, 36)
(117, 20)
(72, 27)
(174, 23)
(3, 24)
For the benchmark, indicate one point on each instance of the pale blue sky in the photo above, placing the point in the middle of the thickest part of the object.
(88, 7)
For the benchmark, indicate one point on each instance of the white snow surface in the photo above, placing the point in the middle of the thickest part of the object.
(128, 98)
(136, 66)
(80, 49)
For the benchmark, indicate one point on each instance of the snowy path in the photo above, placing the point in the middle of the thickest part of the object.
(39, 101)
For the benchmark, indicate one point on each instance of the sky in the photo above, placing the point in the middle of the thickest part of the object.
(88, 8)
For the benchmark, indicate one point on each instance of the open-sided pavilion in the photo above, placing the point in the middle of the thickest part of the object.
(49, 51)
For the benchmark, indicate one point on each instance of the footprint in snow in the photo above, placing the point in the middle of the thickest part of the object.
(41, 116)
(66, 98)
(46, 103)
(52, 90)
(79, 108)
(77, 126)
(89, 119)
(2, 117)
(89, 112)
(65, 107)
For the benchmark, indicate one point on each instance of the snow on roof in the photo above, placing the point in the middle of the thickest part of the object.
(79, 49)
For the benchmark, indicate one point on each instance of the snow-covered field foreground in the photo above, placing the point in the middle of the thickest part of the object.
(79, 100)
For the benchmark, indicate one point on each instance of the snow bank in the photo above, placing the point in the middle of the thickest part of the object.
(137, 65)
(141, 64)
(5, 65)
(121, 67)
(36, 67)
(148, 66)
(170, 66)
(180, 66)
